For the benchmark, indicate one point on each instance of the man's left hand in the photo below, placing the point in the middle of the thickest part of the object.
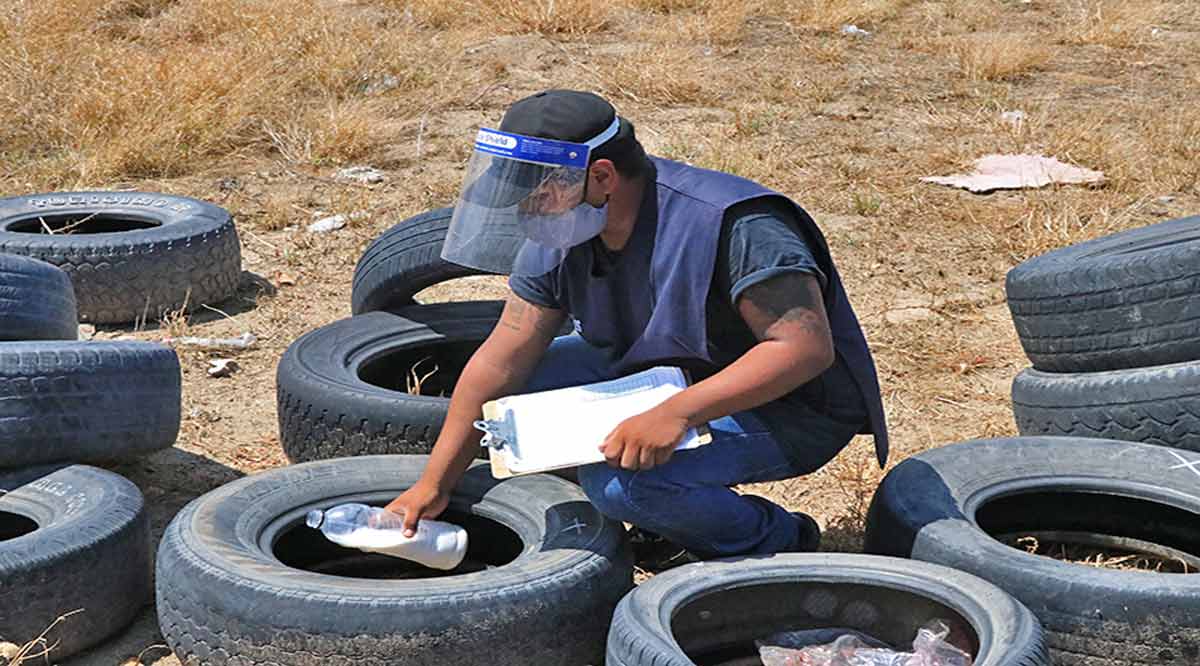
(643, 441)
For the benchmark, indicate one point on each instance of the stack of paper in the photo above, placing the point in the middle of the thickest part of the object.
(536, 432)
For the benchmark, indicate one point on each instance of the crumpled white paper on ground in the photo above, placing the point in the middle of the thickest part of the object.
(1015, 172)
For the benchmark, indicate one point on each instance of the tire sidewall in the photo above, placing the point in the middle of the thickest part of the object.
(228, 528)
(944, 531)
(177, 218)
(1000, 622)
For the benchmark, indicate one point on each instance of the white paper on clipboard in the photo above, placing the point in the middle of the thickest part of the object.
(536, 432)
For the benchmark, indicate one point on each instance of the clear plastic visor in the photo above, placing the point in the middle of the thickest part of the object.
(507, 203)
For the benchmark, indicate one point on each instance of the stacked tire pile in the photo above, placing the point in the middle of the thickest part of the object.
(1111, 328)
(75, 539)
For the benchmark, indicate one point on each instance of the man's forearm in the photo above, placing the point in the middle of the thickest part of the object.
(483, 379)
(766, 372)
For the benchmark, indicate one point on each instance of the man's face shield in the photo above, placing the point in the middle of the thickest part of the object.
(520, 209)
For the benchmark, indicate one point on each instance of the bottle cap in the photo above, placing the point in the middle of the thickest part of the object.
(314, 518)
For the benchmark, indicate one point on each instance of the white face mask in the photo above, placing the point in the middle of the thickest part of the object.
(565, 230)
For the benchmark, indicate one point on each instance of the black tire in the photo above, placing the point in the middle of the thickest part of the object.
(403, 261)
(341, 388)
(86, 401)
(131, 255)
(711, 613)
(952, 506)
(36, 301)
(223, 599)
(1157, 405)
(71, 538)
(1122, 301)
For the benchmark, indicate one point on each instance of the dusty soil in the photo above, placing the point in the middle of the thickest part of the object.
(846, 125)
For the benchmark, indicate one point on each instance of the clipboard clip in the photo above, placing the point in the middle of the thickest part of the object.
(493, 434)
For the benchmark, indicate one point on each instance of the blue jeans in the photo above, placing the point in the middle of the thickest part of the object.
(688, 500)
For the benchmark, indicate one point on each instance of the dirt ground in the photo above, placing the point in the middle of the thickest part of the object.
(770, 90)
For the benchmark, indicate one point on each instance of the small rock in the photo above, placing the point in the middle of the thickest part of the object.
(854, 31)
(1014, 118)
(1165, 199)
(229, 184)
(848, 109)
(285, 280)
(222, 367)
(908, 315)
(87, 331)
(9, 650)
(328, 224)
(381, 84)
(363, 174)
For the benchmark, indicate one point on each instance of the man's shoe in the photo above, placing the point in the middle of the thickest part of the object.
(810, 533)
(654, 553)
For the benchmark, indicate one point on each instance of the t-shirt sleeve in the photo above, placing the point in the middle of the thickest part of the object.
(762, 241)
(536, 290)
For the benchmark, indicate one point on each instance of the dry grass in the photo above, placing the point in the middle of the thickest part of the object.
(191, 81)
(37, 649)
(998, 57)
(548, 17)
(1099, 558)
(832, 14)
(1113, 23)
(855, 479)
(659, 75)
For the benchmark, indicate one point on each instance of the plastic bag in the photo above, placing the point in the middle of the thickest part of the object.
(851, 648)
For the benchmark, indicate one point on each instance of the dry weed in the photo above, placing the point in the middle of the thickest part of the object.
(35, 649)
(1112, 23)
(1096, 557)
(855, 479)
(548, 17)
(1050, 222)
(664, 75)
(832, 14)
(998, 57)
(666, 6)
(174, 323)
(1102, 140)
(552, 17)
(720, 22)
(201, 79)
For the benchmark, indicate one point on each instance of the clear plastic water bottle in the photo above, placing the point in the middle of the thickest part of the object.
(436, 544)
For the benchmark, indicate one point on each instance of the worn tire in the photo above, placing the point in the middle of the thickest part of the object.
(136, 257)
(86, 401)
(403, 261)
(1157, 405)
(89, 549)
(945, 505)
(328, 410)
(222, 599)
(711, 612)
(36, 301)
(1127, 300)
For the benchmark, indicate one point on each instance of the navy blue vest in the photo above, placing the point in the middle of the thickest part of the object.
(691, 207)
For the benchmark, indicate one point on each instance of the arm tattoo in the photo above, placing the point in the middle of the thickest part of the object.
(515, 314)
(787, 298)
(518, 314)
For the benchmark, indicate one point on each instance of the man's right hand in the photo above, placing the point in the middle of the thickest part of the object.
(419, 501)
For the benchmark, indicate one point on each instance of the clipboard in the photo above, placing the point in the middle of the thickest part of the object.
(493, 412)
